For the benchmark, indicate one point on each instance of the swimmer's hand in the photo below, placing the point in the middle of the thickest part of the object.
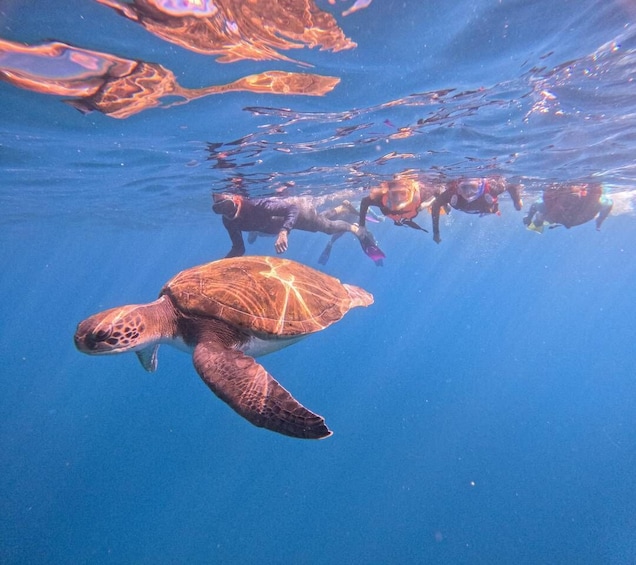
(281, 242)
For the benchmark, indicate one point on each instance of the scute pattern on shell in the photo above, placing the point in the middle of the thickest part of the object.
(264, 295)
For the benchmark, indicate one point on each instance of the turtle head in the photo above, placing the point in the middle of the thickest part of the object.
(127, 328)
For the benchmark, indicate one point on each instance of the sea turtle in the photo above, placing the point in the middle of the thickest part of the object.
(227, 312)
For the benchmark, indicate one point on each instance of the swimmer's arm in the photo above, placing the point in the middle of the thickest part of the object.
(606, 208)
(440, 201)
(364, 207)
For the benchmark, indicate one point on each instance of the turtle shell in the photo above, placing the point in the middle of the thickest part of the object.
(264, 295)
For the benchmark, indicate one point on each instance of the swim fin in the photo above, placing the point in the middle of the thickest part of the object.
(373, 252)
(535, 228)
(370, 247)
(324, 256)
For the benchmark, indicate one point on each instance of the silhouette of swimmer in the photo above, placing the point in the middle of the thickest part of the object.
(569, 205)
(278, 216)
(121, 87)
(473, 196)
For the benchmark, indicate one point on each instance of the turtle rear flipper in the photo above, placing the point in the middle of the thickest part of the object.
(252, 392)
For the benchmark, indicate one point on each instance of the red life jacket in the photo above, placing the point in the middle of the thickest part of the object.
(403, 202)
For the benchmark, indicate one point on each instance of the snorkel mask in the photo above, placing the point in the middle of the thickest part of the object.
(226, 204)
(400, 194)
(471, 189)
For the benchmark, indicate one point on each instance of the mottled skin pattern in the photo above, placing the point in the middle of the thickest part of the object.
(217, 311)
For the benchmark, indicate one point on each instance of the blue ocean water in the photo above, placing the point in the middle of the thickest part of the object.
(482, 407)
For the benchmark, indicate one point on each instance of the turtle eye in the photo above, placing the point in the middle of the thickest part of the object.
(101, 335)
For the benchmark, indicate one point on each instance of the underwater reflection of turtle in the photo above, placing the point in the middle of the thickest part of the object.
(226, 312)
(569, 205)
(236, 29)
(121, 87)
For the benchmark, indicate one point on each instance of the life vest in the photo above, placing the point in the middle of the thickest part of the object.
(402, 201)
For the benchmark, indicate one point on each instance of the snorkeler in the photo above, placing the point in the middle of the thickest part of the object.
(278, 216)
(473, 196)
(569, 205)
(400, 199)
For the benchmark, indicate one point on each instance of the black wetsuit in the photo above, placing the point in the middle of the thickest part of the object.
(481, 205)
(271, 215)
(478, 206)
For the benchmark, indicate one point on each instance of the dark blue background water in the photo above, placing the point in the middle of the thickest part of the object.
(483, 408)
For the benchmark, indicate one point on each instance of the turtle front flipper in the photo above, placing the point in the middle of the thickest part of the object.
(148, 357)
(250, 390)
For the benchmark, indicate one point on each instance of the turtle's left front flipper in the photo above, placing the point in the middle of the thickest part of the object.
(250, 390)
